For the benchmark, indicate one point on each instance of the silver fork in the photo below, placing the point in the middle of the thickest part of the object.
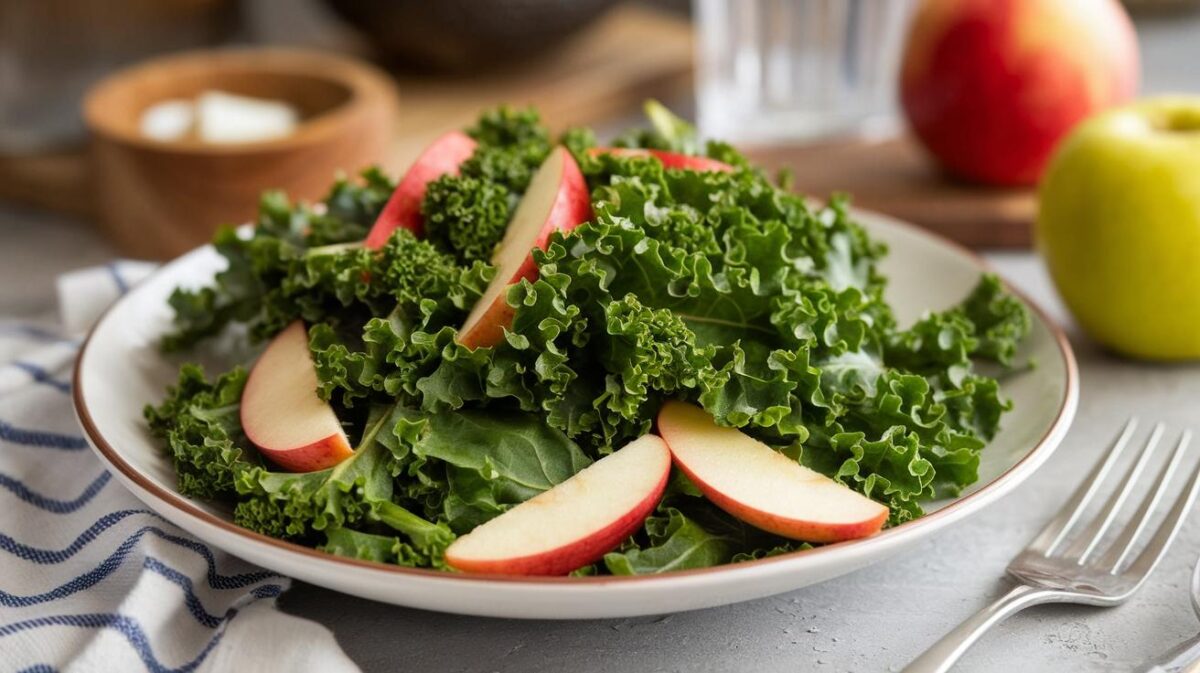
(1065, 562)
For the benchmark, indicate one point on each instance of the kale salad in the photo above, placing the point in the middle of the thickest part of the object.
(693, 276)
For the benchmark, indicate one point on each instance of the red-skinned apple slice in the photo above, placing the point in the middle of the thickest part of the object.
(668, 159)
(281, 412)
(557, 200)
(403, 209)
(761, 486)
(576, 522)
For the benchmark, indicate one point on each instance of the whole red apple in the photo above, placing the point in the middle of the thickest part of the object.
(990, 86)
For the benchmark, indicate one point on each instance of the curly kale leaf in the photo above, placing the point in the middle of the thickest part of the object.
(1000, 320)
(356, 492)
(200, 424)
(294, 244)
(350, 209)
(466, 214)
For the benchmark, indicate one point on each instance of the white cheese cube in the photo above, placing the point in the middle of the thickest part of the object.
(227, 118)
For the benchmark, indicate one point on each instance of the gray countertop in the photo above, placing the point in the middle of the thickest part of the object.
(873, 620)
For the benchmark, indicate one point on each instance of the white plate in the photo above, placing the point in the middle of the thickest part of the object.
(120, 370)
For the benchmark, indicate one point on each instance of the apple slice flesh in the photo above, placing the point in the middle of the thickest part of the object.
(761, 486)
(557, 200)
(403, 209)
(668, 159)
(576, 522)
(281, 412)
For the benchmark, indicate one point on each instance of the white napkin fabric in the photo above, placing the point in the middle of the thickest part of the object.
(90, 578)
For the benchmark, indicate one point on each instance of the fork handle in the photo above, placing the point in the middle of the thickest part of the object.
(1185, 658)
(945, 652)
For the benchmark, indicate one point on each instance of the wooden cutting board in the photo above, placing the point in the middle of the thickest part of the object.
(895, 177)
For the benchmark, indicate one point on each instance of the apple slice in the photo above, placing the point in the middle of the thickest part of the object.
(574, 523)
(281, 412)
(403, 209)
(668, 159)
(557, 200)
(761, 486)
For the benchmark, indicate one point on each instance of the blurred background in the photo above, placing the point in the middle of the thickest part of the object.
(135, 127)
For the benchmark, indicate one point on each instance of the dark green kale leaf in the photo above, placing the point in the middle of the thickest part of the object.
(383, 548)
(1000, 320)
(296, 245)
(492, 460)
(466, 214)
(350, 209)
(200, 424)
(354, 493)
(675, 543)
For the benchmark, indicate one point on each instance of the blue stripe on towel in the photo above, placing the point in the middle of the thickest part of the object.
(51, 504)
(42, 376)
(53, 556)
(106, 567)
(115, 272)
(40, 438)
(111, 564)
(35, 333)
(190, 599)
(129, 627)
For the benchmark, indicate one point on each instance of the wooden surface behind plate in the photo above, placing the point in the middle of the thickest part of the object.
(608, 70)
(631, 54)
(895, 177)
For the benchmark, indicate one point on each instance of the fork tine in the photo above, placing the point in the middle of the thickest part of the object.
(1118, 553)
(1055, 531)
(1158, 545)
(1094, 532)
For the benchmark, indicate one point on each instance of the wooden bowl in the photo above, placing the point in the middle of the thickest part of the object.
(158, 199)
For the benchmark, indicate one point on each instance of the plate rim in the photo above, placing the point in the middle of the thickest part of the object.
(961, 506)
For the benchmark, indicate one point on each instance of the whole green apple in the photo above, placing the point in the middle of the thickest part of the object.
(1119, 227)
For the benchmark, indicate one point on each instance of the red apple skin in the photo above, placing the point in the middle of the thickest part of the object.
(668, 159)
(572, 207)
(403, 209)
(991, 86)
(790, 528)
(317, 455)
(489, 329)
(576, 555)
(796, 529)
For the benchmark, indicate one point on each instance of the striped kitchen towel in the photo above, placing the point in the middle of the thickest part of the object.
(92, 580)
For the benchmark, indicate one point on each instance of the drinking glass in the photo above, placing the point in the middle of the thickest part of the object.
(788, 70)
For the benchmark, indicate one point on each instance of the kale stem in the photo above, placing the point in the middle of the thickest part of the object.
(425, 535)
